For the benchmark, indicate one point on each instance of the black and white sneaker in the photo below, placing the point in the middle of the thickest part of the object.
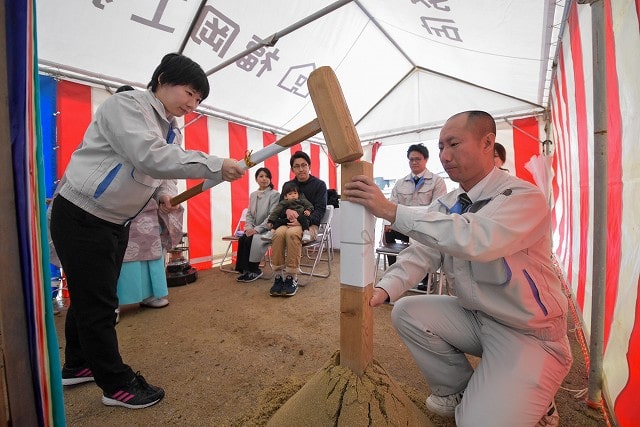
(137, 394)
(73, 376)
(278, 285)
(290, 287)
(250, 276)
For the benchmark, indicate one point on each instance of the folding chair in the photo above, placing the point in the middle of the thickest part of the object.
(437, 279)
(231, 239)
(266, 263)
(320, 250)
(385, 249)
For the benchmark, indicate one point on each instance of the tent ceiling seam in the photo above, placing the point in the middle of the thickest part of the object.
(373, 107)
(385, 33)
(391, 40)
(456, 79)
(497, 118)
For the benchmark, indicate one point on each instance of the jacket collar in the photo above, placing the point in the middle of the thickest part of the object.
(426, 174)
(157, 105)
(481, 193)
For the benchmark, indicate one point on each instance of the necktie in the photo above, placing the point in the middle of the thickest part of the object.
(462, 205)
(416, 179)
(171, 135)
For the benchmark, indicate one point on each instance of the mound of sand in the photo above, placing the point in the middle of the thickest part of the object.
(336, 396)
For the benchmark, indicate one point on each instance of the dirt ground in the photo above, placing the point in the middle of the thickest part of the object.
(228, 354)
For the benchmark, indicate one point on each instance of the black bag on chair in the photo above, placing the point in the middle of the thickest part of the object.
(333, 198)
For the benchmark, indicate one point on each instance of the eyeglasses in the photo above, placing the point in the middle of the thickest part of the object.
(300, 166)
(415, 159)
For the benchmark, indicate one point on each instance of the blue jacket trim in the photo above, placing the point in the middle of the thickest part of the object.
(107, 181)
(536, 293)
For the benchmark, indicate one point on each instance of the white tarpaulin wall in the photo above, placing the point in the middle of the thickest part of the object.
(405, 66)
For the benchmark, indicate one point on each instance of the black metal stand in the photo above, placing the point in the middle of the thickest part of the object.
(179, 271)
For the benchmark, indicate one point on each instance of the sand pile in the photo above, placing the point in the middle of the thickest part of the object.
(335, 396)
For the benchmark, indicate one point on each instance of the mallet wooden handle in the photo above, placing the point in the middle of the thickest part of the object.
(193, 191)
(295, 137)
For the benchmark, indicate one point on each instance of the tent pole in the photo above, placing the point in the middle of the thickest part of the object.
(563, 26)
(273, 39)
(600, 185)
(191, 26)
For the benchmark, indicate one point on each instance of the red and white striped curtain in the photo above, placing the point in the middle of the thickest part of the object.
(214, 213)
(572, 117)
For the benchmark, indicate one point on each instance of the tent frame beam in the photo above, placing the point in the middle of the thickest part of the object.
(59, 70)
(185, 40)
(273, 39)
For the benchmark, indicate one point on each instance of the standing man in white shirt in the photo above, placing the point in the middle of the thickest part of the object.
(419, 188)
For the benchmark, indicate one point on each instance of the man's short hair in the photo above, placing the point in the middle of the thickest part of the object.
(420, 149)
(480, 122)
(299, 155)
(176, 69)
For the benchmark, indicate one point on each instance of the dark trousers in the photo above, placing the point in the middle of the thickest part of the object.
(394, 236)
(91, 252)
(242, 258)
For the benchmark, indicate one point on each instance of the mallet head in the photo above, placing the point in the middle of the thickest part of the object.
(334, 117)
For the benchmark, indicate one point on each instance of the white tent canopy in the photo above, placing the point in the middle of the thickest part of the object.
(405, 66)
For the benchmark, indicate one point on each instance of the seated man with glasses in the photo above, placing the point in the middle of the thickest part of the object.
(286, 246)
(419, 188)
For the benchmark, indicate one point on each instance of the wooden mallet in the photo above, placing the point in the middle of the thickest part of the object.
(333, 119)
(358, 225)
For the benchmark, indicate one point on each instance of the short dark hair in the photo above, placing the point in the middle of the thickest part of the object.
(289, 187)
(500, 151)
(176, 69)
(124, 88)
(420, 149)
(299, 155)
(266, 172)
(481, 122)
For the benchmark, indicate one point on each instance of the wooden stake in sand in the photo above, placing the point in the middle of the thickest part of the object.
(356, 245)
(352, 389)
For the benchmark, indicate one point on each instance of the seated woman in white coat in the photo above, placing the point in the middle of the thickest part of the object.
(250, 250)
